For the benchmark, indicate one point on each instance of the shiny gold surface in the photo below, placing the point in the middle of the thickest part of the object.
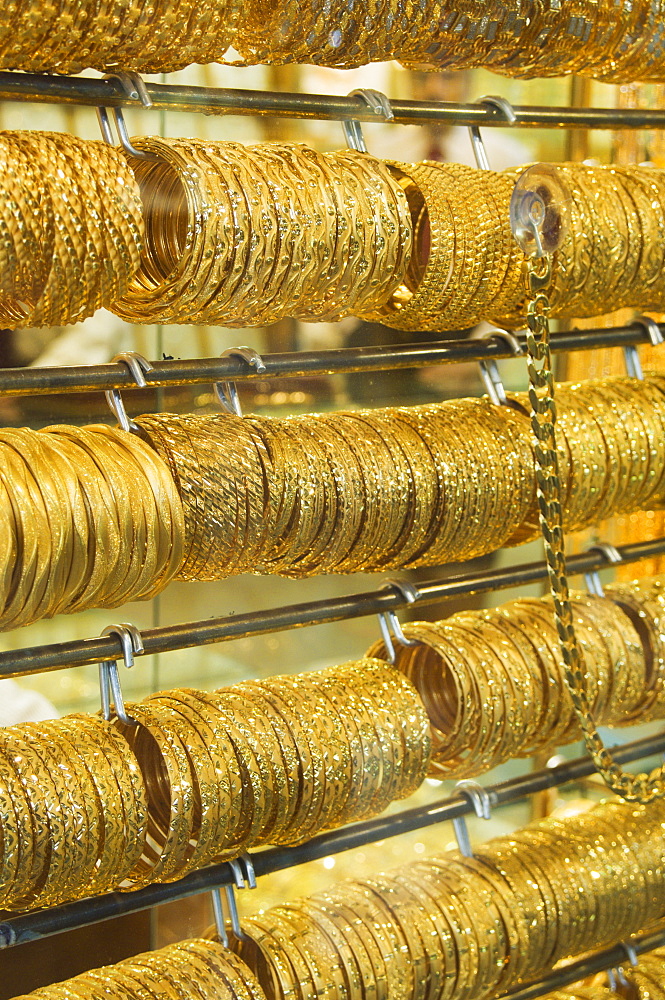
(90, 806)
(492, 681)
(452, 926)
(246, 235)
(402, 486)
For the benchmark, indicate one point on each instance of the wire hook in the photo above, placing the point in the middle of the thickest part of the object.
(138, 366)
(489, 370)
(617, 972)
(389, 622)
(225, 908)
(109, 679)
(631, 354)
(381, 107)
(592, 578)
(481, 801)
(226, 392)
(134, 87)
(477, 142)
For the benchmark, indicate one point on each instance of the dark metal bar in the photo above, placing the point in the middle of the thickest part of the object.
(573, 972)
(73, 90)
(80, 652)
(90, 378)
(45, 923)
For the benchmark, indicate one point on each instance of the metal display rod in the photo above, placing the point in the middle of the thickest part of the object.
(573, 972)
(81, 652)
(76, 90)
(82, 913)
(91, 378)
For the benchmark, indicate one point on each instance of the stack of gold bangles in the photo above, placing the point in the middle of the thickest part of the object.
(90, 517)
(179, 971)
(452, 927)
(595, 39)
(549, 39)
(245, 235)
(467, 267)
(188, 970)
(442, 928)
(87, 806)
(124, 35)
(95, 517)
(493, 681)
(72, 228)
(409, 486)
(220, 247)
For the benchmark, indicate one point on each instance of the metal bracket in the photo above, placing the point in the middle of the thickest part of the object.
(109, 679)
(138, 366)
(225, 908)
(381, 107)
(489, 370)
(477, 143)
(592, 578)
(481, 801)
(226, 391)
(389, 622)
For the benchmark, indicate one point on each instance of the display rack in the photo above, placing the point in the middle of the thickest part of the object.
(113, 93)
(390, 597)
(88, 91)
(41, 381)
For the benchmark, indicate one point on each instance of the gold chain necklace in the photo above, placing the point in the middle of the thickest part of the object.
(634, 787)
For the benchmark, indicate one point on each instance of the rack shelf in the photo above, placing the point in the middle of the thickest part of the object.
(81, 652)
(92, 378)
(76, 90)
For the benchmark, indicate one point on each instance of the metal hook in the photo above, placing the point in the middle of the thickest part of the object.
(652, 328)
(244, 877)
(630, 352)
(379, 104)
(477, 143)
(109, 679)
(617, 972)
(388, 620)
(133, 85)
(592, 578)
(630, 951)
(136, 90)
(138, 366)
(489, 370)
(123, 134)
(226, 392)
(631, 360)
(481, 801)
(220, 919)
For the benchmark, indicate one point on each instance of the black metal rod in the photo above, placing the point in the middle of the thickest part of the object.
(73, 90)
(91, 378)
(81, 652)
(82, 913)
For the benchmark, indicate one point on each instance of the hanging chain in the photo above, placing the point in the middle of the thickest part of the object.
(639, 787)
